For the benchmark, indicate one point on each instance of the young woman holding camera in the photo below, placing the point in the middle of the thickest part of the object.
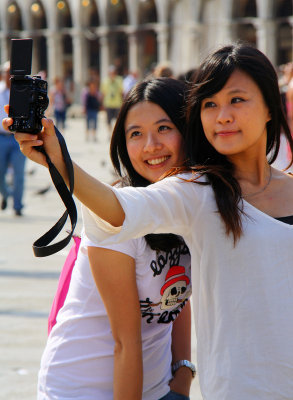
(119, 342)
(235, 213)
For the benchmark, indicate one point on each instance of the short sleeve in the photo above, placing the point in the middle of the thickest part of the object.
(167, 206)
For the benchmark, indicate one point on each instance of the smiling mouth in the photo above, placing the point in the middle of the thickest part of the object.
(226, 133)
(157, 161)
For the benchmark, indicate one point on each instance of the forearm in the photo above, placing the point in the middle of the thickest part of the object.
(181, 350)
(115, 276)
(128, 371)
(94, 194)
(98, 197)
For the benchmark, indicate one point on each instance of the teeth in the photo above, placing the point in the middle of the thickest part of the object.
(156, 161)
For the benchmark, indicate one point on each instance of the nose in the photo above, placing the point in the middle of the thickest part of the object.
(224, 115)
(152, 142)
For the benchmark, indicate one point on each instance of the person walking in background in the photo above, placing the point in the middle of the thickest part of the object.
(58, 103)
(129, 81)
(11, 158)
(91, 99)
(112, 92)
(235, 213)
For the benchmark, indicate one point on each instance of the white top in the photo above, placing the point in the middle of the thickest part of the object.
(242, 295)
(78, 359)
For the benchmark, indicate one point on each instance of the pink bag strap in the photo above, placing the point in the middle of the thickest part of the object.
(63, 283)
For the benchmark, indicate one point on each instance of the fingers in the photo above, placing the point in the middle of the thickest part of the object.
(27, 138)
(6, 122)
(48, 127)
(6, 108)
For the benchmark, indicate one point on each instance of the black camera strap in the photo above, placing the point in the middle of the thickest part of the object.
(41, 246)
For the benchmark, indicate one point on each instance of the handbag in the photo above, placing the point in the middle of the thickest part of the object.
(63, 283)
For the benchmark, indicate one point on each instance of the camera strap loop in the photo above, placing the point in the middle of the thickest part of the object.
(40, 246)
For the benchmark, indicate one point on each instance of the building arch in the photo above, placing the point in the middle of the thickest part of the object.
(147, 17)
(284, 8)
(117, 22)
(244, 15)
(90, 21)
(283, 12)
(38, 25)
(14, 18)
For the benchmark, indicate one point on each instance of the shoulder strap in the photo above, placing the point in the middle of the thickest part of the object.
(41, 246)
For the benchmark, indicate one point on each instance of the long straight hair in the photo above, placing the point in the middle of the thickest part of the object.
(169, 94)
(211, 77)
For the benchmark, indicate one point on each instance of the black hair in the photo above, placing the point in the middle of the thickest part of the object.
(169, 94)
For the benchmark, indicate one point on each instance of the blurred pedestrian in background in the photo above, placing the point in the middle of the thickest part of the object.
(59, 101)
(129, 81)
(112, 91)
(11, 158)
(91, 106)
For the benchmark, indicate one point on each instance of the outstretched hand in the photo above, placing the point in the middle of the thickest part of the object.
(46, 138)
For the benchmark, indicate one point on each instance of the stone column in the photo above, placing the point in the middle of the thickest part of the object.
(80, 63)
(55, 55)
(162, 39)
(5, 56)
(266, 38)
(133, 51)
(194, 50)
(291, 24)
(226, 34)
(104, 55)
(35, 59)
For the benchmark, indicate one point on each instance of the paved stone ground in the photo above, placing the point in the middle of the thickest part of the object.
(28, 284)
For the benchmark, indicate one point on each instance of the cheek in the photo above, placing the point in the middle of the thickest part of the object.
(176, 145)
(133, 152)
(205, 122)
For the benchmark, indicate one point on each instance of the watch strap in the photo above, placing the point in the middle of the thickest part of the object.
(184, 363)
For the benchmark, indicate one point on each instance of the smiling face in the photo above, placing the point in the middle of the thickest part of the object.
(234, 119)
(153, 142)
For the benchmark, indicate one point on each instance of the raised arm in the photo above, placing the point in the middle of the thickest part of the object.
(91, 192)
(115, 277)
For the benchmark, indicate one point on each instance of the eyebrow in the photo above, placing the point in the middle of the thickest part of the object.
(156, 123)
(232, 91)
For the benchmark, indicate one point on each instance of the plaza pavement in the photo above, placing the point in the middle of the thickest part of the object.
(27, 283)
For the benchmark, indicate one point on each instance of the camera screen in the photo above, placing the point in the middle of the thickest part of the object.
(20, 98)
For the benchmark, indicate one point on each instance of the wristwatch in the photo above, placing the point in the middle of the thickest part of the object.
(184, 363)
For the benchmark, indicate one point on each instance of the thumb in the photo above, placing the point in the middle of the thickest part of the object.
(48, 127)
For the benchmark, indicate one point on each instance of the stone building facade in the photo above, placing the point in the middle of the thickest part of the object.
(72, 37)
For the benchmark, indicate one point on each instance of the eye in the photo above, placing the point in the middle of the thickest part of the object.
(208, 104)
(163, 128)
(134, 134)
(236, 100)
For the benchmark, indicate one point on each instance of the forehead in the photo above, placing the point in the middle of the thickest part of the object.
(239, 81)
(146, 112)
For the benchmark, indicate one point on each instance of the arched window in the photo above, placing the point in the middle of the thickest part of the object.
(284, 8)
(14, 21)
(116, 12)
(63, 14)
(38, 15)
(243, 13)
(90, 15)
(147, 12)
(244, 9)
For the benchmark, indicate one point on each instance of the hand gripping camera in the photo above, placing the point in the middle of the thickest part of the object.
(28, 95)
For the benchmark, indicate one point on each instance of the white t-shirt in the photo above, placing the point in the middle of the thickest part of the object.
(78, 359)
(242, 295)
